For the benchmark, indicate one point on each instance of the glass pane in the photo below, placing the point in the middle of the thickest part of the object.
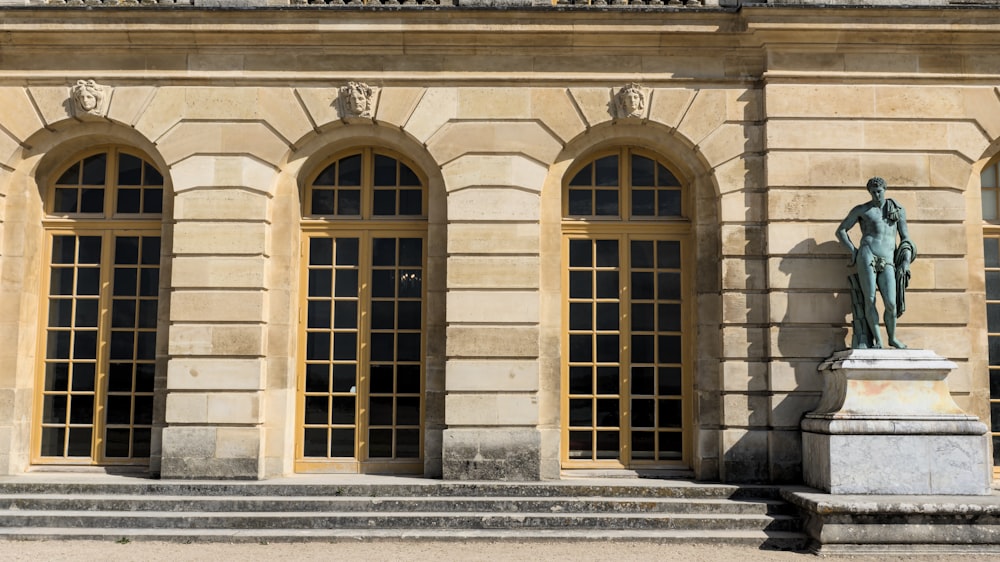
(642, 380)
(607, 412)
(993, 284)
(384, 202)
(607, 380)
(642, 285)
(347, 283)
(384, 251)
(128, 201)
(88, 281)
(607, 253)
(61, 282)
(642, 349)
(54, 409)
(58, 345)
(607, 445)
(316, 409)
(53, 441)
(61, 313)
(153, 176)
(120, 377)
(350, 171)
(347, 251)
(385, 171)
(318, 315)
(149, 282)
(318, 346)
(989, 202)
(116, 442)
(145, 375)
(580, 202)
(327, 176)
(314, 442)
(408, 347)
(411, 251)
(92, 201)
(642, 171)
(145, 346)
(407, 176)
(580, 412)
(126, 250)
(57, 376)
(85, 345)
(607, 284)
(152, 201)
(669, 204)
(643, 202)
(665, 177)
(70, 176)
(408, 379)
(408, 410)
(993, 317)
(125, 281)
(580, 253)
(991, 250)
(123, 313)
(642, 317)
(580, 444)
(342, 443)
(411, 202)
(607, 348)
(151, 250)
(90, 250)
(79, 442)
(643, 444)
(381, 379)
(322, 202)
(668, 254)
(581, 348)
(988, 177)
(382, 347)
(118, 410)
(321, 251)
(643, 413)
(409, 315)
(671, 444)
(122, 345)
(64, 249)
(607, 316)
(317, 378)
(345, 346)
(320, 282)
(383, 283)
(94, 168)
(380, 410)
(380, 443)
(407, 443)
(582, 177)
(81, 409)
(642, 253)
(141, 438)
(83, 377)
(409, 283)
(606, 171)
(669, 286)
(344, 378)
(606, 202)
(580, 285)
(670, 413)
(343, 410)
(348, 202)
(65, 200)
(580, 315)
(345, 314)
(670, 349)
(670, 317)
(581, 380)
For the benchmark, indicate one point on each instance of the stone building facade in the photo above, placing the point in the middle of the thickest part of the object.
(472, 241)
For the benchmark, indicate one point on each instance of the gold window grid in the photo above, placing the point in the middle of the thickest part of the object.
(641, 232)
(990, 197)
(624, 188)
(110, 186)
(361, 462)
(367, 189)
(102, 360)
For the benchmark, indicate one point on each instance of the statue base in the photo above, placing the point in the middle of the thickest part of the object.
(887, 424)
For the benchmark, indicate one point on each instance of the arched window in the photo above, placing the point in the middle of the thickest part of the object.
(625, 288)
(362, 335)
(990, 184)
(102, 283)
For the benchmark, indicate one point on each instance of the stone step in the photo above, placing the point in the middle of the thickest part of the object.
(770, 539)
(423, 489)
(186, 503)
(395, 520)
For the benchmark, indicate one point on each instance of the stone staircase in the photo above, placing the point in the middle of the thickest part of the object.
(371, 508)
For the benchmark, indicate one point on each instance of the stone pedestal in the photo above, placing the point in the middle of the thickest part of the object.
(887, 425)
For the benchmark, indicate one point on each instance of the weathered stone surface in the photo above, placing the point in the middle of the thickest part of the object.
(491, 454)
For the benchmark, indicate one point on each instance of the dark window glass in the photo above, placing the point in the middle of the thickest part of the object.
(607, 380)
(80, 441)
(580, 412)
(322, 201)
(580, 202)
(643, 202)
(991, 251)
(70, 176)
(381, 379)
(83, 377)
(380, 443)
(668, 254)
(94, 168)
(642, 171)
(129, 170)
(584, 176)
(63, 249)
(643, 379)
(607, 316)
(343, 410)
(344, 378)
(407, 177)
(347, 251)
(607, 253)
(53, 441)
(116, 442)
(120, 377)
(118, 410)
(92, 201)
(345, 314)
(384, 202)
(317, 378)
(90, 250)
(350, 171)
(314, 443)
(408, 379)
(606, 171)
(152, 201)
(348, 202)
(669, 204)
(580, 316)
(65, 200)
(606, 202)
(411, 202)
(385, 171)
(126, 250)
(580, 253)
(342, 443)
(580, 380)
(57, 377)
(384, 251)
(153, 176)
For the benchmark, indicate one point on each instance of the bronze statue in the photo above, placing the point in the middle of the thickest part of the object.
(881, 265)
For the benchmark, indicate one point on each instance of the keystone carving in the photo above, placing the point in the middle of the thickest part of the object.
(357, 99)
(630, 101)
(89, 98)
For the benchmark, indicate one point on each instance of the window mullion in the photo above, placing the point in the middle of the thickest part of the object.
(364, 343)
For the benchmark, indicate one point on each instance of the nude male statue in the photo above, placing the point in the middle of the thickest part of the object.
(881, 265)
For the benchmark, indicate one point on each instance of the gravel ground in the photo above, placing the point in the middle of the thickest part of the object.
(437, 551)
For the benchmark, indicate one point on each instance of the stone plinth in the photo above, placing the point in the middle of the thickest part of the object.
(887, 424)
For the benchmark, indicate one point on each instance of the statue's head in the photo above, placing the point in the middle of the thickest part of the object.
(88, 96)
(876, 182)
(630, 101)
(356, 99)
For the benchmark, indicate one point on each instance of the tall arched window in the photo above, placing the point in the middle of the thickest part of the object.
(625, 288)
(990, 184)
(362, 333)
(102, 283)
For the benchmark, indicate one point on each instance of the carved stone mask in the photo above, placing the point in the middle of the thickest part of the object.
(88, 97)
(630, 101)
(357, 99)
